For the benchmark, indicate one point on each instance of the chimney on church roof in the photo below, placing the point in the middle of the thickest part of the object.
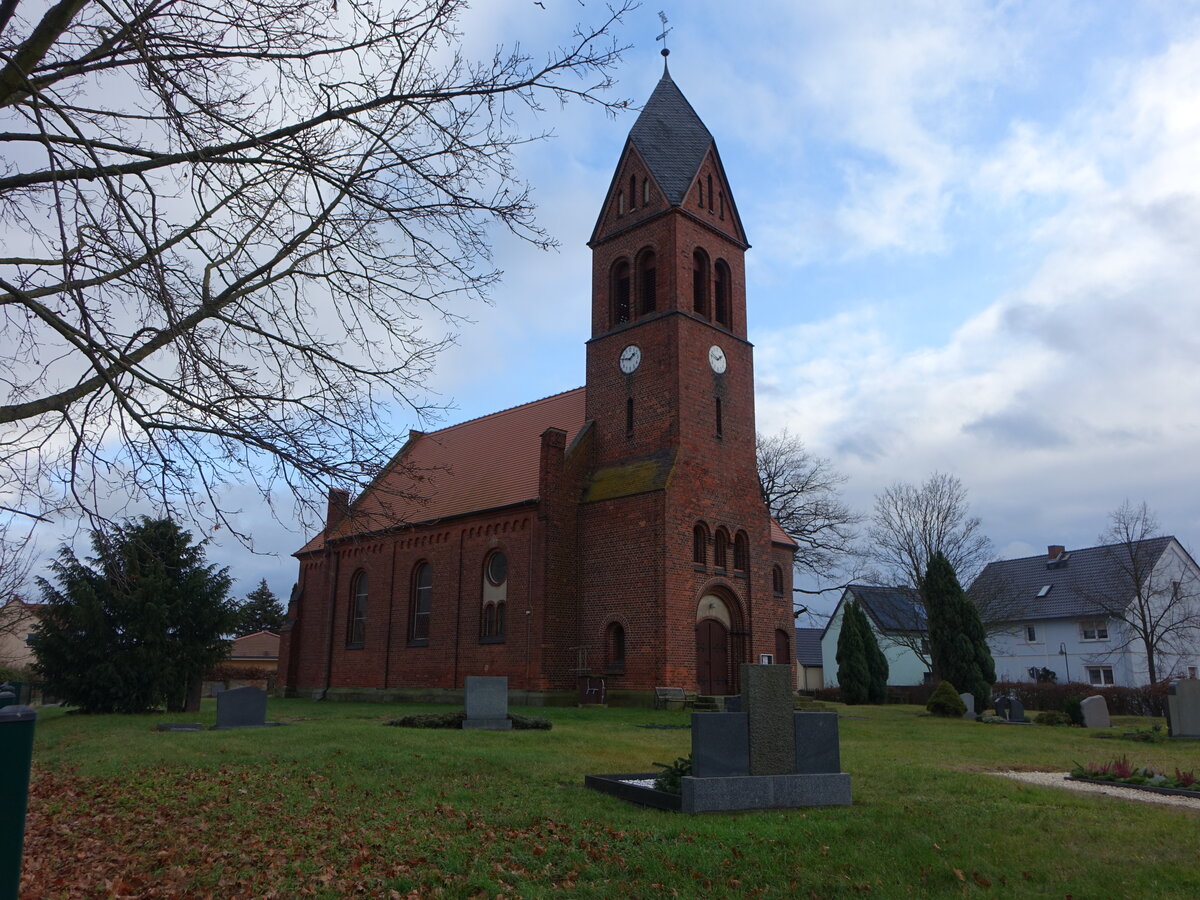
(336, 508)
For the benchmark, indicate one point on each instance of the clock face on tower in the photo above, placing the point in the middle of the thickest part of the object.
(716, 359)
(631, 356)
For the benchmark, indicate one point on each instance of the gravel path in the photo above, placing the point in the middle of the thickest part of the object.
(1058, 780)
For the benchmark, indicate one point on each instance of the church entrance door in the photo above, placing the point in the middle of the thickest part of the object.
(712, 648)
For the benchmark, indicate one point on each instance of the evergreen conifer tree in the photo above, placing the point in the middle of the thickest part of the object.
(261, 611)
(877, 663)
(137, 627)
(957, 641)
(854, 674)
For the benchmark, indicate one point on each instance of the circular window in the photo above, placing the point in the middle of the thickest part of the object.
(497, 568)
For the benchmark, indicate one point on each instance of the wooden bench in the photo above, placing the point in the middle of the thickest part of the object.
(672, 698)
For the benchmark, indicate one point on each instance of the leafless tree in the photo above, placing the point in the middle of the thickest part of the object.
(15, 565)
(233, 230)
(1154, 591)
(801, 491)
(910, 524)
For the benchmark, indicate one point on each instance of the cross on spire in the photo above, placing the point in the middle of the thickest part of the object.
(662, 17)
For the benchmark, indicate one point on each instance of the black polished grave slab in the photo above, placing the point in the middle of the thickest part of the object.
(720, 744)
(817, 749)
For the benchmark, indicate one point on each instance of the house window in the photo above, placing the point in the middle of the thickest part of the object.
(614, 647)
(700, 544)
(700, 282)
(1094, 629)
(777, 580)
(356, 630)
(1193, 671)
(1031, 636)
(741, 552)
(620, 292)
(422, 595)
(647, 282)
(722, 295)
(1100, 675)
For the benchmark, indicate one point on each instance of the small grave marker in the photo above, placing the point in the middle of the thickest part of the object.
(968, 700)
(487, 703)
(1095, 713)
(244, 707)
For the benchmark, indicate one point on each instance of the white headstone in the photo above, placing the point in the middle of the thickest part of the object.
(1095, 713)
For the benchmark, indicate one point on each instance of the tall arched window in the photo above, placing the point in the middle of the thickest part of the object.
(621, 307)
(777, 581)
(721, 549)
(356, 628)
(632, 191)
(700, 544)
(614, 647)
(422, 597)
(741, 552)
(700, 282)
(495, 597)
(723, 301)
(647, 282)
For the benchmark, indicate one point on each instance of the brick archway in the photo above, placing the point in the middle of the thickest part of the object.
(719, 639)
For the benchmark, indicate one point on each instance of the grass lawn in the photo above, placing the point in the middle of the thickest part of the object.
(337, 805)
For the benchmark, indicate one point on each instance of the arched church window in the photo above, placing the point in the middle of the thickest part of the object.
(422, 604)
(777, 581)
(700, 192)
(741, 552)
(721, 549)
(645, 192)
(700, 282)
(647, 282)
(700, 544)
(723, 316)
(620, 292)
(356, 628)
(710, 192)
(495, 597)
(614, 647)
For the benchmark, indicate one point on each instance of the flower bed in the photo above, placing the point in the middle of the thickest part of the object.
(1121, 771)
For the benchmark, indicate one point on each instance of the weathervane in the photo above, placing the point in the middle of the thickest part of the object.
(662, 17)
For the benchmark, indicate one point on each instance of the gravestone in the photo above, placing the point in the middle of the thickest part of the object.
(1183, 708)
(244, 707)
(969, 702)
(767, 757)
(1095, 713)
(1002, 707)
(1016, 712)
(487, 703)
(767, 695)
(720, 744)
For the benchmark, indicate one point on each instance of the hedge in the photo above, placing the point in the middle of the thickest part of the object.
(1148, 700)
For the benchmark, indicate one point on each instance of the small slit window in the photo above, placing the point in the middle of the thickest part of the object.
(700, 544)
(777, 581)
(720, 419)
(700, 282)
(614, 647)
(722, 311)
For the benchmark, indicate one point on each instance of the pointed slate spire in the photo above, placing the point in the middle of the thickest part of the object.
(671, 139)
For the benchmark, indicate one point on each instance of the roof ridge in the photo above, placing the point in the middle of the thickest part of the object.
(498, 412)
(1068, 550)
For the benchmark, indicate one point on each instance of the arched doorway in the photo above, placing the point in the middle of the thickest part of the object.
(712, 657)
(717, 626)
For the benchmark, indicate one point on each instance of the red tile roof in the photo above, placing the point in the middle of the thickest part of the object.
(481, 464)
(779, 536)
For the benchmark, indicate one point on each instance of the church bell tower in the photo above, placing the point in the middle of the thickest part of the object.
(679, 542)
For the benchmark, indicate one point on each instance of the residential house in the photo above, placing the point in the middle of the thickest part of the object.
(809, 664)
(260, 650)
(898, 621)
(1057, 610)
(17, 620)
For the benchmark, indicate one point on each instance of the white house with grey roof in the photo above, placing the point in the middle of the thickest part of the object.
(898, 621)
(1058, 612)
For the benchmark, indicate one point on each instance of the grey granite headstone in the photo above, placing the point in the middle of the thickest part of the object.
(1003, 707)
(1016, 712)
(734, 703)
(1095, 713)
(968, 700)
(720, 744)
(816, 738)
(244, 707)
(487, 703)
(1183, 708)
(766, 792)
(767, 699)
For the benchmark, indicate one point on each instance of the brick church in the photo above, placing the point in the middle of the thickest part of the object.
(611, 537)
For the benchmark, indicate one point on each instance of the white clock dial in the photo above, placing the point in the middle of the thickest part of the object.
(716, 359)
(631, 357)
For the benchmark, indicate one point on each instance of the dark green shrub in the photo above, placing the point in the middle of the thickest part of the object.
(946, 702)
(455, 720)
(1073, 709)
(668, 779)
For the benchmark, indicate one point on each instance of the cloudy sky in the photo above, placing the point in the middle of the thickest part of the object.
(976, 245)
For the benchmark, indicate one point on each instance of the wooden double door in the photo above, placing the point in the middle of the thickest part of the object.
(712, 657)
